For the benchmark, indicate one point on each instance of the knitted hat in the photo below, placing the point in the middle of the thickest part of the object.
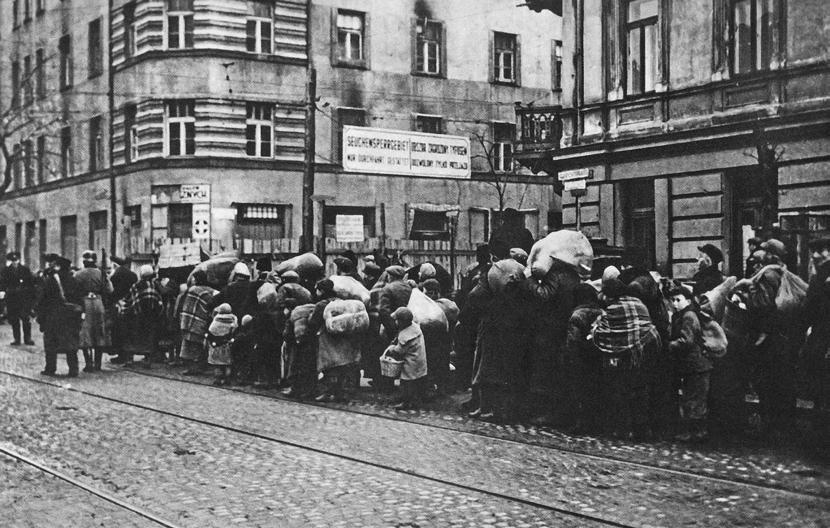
(240, 268)
(146, 271)
(224, 308)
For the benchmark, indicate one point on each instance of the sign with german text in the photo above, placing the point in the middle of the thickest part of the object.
(348, 228)
(382, 151)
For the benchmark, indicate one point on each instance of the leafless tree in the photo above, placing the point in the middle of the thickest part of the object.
(499, 179)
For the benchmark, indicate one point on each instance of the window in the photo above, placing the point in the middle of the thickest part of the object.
(257, 221)
(180, 221)
(96, 56)
(69, 237)
(17, 172)
(503, 146)
(15, 84)
(556, 66)
(259, 130)
(130, 135)
(641, 54)
(40, 78)
(96, 144)
(504, 57)
(429, 36)
(179, 24)
(65, 51)
(350, 36)
(98, 230)
(330, 219)
(755, 34)
(130, 47)
(18, 236)
(429, 225)
(258, 28)
(638, 219)
(345, 117)
(28, 163)
(430, 124)
(181, 128)
(41, 159)
(27, 13)
(27, 81)
(66, 152)
(15, 13)
(132, 224)
(41, 7)
(41, 238)
(29, 242)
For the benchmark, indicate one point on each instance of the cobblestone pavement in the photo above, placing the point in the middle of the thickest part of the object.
(608, 489)
(30, 498)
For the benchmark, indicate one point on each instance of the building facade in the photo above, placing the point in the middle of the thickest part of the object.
(153, 121)
(702, 121)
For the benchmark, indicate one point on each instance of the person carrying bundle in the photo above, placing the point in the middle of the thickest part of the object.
(409, 347)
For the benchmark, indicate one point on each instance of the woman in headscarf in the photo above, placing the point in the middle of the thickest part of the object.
(95, 287)
(144, 309)
(194, 320)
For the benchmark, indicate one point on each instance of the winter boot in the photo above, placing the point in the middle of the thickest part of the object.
(88, 361)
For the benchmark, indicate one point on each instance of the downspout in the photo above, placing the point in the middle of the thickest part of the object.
(111, 112)
(579, 92)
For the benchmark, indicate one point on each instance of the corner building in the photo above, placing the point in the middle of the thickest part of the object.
(203, 136)
(670, 103)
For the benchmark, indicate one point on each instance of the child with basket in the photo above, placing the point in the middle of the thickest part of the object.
(409, 347)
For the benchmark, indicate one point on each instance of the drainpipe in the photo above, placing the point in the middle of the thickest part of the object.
(111, 112)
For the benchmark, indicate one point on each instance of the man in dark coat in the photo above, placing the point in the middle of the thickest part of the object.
(122, 279)
(708, 276)
(238, 293)
(510, 234)
(17, 282)
(817, 319)
(59, 315)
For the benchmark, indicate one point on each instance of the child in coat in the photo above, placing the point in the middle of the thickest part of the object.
(409, 347)
(220, 341)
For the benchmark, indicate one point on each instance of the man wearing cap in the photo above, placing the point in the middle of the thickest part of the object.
(95, 287)
(17, 282)
(708, 276)
(753, 245)
(59, 310)
(122, 278)
(817, 321)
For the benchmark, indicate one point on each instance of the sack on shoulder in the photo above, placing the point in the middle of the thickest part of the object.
(714, 341)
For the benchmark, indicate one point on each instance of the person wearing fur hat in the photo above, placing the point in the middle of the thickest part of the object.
(220, 338)
(144, 310)
(96, 288)
(18, 284)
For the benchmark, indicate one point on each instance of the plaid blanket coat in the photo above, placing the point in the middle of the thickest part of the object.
(624, 329)
(195, 313)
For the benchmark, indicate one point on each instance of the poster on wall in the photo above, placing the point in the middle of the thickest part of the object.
(201, 221)
(348, 228)
(197, 193)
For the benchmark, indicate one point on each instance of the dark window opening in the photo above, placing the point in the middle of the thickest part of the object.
(430, 124)
(330, 219)
(258, 221)
(180, 221)
(429, 225)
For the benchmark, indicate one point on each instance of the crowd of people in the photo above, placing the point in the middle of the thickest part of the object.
(625, 355)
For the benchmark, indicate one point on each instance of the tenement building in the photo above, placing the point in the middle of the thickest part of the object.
(694, 121)
(140, 124)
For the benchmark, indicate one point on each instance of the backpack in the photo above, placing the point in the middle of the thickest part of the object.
(713, 338)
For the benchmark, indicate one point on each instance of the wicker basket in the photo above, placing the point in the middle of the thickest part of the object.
(389, 367)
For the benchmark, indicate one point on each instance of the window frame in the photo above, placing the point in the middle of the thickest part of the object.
(187, 146)
(183, 18)
(257, 33)
(498, 51)
(180, 208)
(556, 64)
(420, 119)
(26, 81)
(627, 28)
(420, 45)
(15, 14)
(95, 48)
(16, 99)
(343, 59)
(41, 146)
(40, 7)
(66, 66)
(368, 212)
(130, 134)
(96, 143)
(40, 66)
(27, 150)
(500, 146)
(269, 217)
(428, 234)
(776, 36)
(130, 34)
(67, 163)
(254, 112)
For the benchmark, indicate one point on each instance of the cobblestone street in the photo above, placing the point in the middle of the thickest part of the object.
(196, 455)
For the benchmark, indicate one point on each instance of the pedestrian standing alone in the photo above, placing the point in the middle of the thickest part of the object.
(18, 283)
(694, 366)
(194, 320)
(59, 313)
(144, 309)
(95, 288)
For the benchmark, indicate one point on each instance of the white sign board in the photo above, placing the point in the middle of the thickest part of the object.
(578, 174)
(175, 255)
(348, 228)
(194, 193)
(571, 185)
(382, 151)
(201, 221)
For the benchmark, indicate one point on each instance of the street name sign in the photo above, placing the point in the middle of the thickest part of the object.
(382, 151)
(576, 174)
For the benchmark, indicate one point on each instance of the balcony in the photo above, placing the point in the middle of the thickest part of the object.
(540, 128)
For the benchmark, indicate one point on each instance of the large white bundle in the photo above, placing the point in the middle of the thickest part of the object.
(307, 265)
(266, 296)
(570, 247)
(425, 311)
(348, 288)
(346, 317)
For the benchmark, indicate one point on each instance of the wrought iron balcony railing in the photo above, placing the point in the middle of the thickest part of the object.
(541, 127)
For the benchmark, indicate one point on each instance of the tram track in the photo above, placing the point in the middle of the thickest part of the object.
(573, 451)
(101, 494)
(269, 438)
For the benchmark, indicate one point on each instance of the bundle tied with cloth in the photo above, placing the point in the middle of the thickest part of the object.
(569, 247)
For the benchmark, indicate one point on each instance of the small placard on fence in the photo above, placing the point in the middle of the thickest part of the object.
(348, 228)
